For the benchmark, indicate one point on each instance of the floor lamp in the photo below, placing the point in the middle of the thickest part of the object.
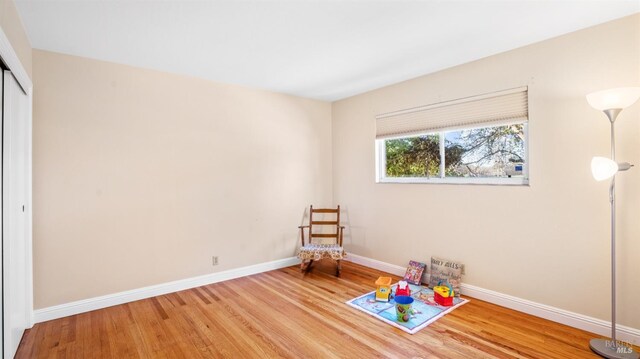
(612, 102)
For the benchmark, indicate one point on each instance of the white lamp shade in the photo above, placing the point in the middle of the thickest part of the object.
(603, 168)
(617, 98)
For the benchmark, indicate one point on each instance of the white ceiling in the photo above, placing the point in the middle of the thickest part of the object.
(319, 49)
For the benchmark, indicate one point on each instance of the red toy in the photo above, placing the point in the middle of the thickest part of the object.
(443, 295)
(403, 288)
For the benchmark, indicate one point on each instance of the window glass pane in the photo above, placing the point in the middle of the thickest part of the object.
(485, 152)
(413, 156)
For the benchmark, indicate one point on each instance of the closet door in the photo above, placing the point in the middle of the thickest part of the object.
(14, 221)
(1, 219)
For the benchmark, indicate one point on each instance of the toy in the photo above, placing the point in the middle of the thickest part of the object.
(443, 295)
(403, 288)
(384, 289)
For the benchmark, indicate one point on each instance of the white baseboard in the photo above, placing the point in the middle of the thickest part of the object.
(580, 321)
(376, 264)
(87, 305)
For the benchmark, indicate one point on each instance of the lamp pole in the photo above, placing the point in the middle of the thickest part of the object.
(612, 115)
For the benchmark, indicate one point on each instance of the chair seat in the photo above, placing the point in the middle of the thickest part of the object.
(320, 251)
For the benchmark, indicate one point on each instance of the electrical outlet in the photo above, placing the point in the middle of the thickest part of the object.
(214, 260)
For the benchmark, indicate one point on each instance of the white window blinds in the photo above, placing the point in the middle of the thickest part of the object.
(489, 109)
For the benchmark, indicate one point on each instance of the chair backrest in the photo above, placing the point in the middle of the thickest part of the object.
(323, 223)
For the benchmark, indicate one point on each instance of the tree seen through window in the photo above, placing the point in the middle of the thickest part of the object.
(480, 152)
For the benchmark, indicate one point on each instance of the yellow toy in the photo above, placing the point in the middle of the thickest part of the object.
(443, 294)
(384, 289)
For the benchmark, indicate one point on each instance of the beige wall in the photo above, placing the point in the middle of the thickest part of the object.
(14, 30)
(141, 176)
(548, 242)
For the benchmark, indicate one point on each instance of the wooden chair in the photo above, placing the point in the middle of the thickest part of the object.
(312, 251)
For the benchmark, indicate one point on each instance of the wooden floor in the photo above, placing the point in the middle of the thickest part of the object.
(284, 313)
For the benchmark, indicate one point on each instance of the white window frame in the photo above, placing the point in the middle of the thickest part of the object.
(381, 164)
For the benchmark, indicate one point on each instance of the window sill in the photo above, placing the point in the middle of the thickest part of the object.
(499, 181)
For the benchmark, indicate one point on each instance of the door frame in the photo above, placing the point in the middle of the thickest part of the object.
(12, 61)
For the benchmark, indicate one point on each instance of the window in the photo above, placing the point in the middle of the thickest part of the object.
(490, 155)
(433, 144)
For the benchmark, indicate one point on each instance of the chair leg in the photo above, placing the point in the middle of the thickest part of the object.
(303, 265)
(339, 268)
(308, 269)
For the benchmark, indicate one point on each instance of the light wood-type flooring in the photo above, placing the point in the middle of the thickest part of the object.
(285, 313)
